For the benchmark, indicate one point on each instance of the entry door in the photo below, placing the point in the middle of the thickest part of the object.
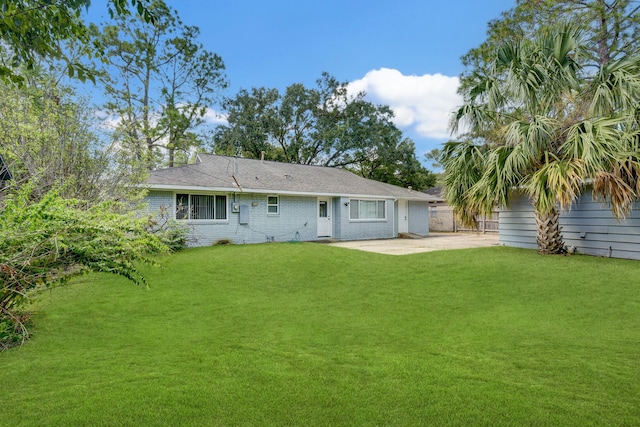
(324, 218)
(403, 216)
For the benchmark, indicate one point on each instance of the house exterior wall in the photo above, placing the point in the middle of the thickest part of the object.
(348, 229)
(419, 218)
(589, 226)
(297, 219)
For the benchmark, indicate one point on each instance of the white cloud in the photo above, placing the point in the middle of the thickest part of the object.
(420, 103)
(215, 118)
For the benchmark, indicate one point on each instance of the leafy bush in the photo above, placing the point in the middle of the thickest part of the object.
(170, 232)
(47, 242)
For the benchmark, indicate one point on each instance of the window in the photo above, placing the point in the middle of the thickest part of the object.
(273, 203)
(367, 209)
(199, 206)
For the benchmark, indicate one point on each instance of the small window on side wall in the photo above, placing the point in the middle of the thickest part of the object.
(273, 205)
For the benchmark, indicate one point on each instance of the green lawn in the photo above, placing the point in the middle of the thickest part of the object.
(308, 334)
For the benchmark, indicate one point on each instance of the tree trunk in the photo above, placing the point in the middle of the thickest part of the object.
(548, 234)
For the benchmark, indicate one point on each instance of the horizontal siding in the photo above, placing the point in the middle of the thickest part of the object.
(297, 219)
(419, 218)
(589, 227)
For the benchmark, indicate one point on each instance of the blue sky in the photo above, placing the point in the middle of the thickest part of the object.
(403, 53)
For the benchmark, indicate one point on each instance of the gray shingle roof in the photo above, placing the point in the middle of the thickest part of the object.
(231, 174)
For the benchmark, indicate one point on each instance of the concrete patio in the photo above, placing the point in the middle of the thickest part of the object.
(433, 242)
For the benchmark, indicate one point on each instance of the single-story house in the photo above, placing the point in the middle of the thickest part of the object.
(253, 201)
(588, 228)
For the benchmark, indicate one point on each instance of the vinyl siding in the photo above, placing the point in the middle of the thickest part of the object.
(296, 220)
(589, 226)
(348, 229)
(419, 218)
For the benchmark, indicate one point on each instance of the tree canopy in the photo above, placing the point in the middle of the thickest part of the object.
(159, 82)
(324, 125)
(33, 30)
(546, 124)
(611, 30)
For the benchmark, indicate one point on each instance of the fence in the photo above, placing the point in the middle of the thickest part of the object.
(441, 219)
(486, 223)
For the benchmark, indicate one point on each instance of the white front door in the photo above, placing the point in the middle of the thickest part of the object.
(403, 216)
(324, 218)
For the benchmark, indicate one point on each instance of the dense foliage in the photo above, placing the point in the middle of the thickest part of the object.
(46, 242)
(324, 125)
(611, 30)
(546, 124)
(33, 30)
(48, 139)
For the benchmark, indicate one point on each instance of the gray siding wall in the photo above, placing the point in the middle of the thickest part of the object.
(297, 220)
(158, 201)
(419, 218)
(347, 229)
(589, 226)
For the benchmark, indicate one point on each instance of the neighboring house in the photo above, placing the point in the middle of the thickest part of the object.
(588, 228)
(440, 213)
(252, 201)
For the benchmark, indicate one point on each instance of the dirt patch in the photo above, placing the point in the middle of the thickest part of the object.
(433, 242)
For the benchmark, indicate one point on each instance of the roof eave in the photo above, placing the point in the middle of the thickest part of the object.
(173, 187)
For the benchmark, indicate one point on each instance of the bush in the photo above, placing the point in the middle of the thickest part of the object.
(47, 242)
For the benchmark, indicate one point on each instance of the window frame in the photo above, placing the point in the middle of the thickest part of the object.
(190, 209)
(276, 205)
(377, 218)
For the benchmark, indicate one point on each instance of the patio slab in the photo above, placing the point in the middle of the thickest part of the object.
(433, 242)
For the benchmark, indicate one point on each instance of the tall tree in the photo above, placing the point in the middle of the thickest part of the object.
(551, 126)
(160, 81)
(611, 29)
(324, 125)
(33, 30)
(48, 141)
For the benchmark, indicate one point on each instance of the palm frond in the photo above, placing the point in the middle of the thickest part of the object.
(463, 163)
(557, 181)
(595, 142)
(613, 187)
(615, 87)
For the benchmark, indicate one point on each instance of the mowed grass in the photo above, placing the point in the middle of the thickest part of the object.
(308, 334)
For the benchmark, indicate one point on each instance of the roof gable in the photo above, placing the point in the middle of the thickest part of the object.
(234, 174)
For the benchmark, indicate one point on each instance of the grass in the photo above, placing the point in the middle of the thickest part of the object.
(307, 334)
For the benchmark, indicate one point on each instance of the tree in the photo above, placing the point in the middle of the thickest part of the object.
(159, 81)
(551, 126)
(47, 242)
(611, 28)
(433, 156)
(33, 30)
(325, 126)
(47, 141)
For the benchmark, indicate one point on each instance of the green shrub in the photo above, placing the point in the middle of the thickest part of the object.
(46, 242)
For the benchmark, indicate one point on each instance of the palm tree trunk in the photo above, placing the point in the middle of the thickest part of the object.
(548, 234)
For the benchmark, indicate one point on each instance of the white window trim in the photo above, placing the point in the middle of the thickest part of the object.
(277, 205)
(200, 221)
(368, 219)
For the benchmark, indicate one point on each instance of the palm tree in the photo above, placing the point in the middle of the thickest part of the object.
(544, 124)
